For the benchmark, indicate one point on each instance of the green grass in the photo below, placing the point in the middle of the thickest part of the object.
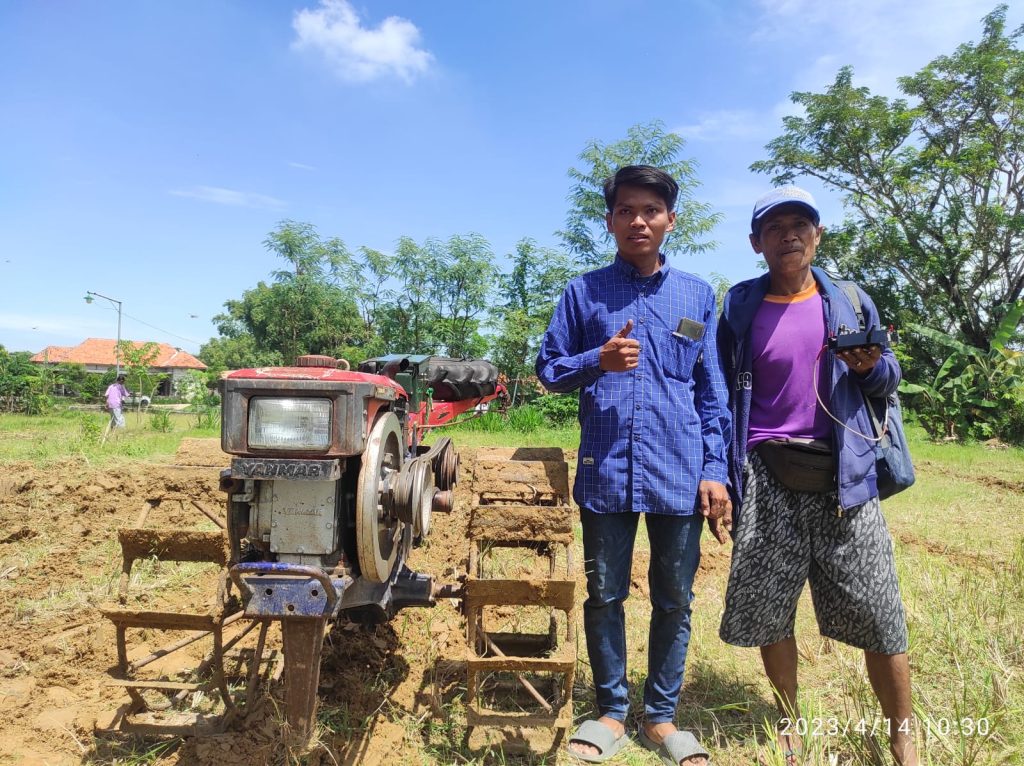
(487, 432)
(54, 438)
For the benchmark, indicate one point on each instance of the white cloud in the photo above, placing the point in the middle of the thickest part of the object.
(880, 39)
(232, 197)
(300, 166)
(360, 54)
(724, 124)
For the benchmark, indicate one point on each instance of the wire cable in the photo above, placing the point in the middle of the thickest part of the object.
(817, 395)
(166, 332)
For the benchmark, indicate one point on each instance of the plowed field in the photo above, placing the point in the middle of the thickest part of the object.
(384, 694)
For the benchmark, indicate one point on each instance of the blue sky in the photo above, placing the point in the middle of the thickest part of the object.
(147, 148)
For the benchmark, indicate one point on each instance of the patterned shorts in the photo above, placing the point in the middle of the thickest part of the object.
(786, 538)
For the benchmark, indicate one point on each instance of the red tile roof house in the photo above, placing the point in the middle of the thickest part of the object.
(98, 355)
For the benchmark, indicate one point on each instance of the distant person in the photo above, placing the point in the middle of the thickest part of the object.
(116, 394)
(637, 338)
(788, 529)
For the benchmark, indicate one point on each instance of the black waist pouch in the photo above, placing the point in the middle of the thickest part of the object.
(803, 466)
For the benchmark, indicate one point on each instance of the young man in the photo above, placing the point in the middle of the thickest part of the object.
(773, 339)
(637, 338)
(116, 394)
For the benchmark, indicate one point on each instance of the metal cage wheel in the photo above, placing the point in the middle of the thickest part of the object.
(378, 529)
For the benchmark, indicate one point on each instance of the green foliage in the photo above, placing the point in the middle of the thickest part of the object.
(305, 310)
(24, 386)
(976, 393)
(559, 409)
(488, 422)
(721, 284)
(525, 419)
(426, 298)
(194, 388)
(73, 380)
(90, 430)
(236, 348)
(1010, 419)
(160, 420)
(932, 181)
(137, 359)
(586, 234)
(529, 293)
(443, 288)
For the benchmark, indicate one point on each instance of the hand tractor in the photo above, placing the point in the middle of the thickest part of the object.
(329, 488)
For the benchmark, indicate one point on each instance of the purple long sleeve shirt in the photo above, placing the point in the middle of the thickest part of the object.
(116, 394)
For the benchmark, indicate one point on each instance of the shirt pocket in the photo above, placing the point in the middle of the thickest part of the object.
(679, 355)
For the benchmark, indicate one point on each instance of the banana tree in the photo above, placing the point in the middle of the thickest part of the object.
(973, 387)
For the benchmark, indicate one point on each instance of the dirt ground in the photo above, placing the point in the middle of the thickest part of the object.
(60, 562)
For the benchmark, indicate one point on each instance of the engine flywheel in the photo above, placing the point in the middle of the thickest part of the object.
(379, 531)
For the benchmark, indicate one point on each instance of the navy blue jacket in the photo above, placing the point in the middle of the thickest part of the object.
(855, 467)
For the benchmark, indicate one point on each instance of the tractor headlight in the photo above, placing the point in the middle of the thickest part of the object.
(289, 424)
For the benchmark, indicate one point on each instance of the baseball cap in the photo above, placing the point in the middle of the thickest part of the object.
(784, 195)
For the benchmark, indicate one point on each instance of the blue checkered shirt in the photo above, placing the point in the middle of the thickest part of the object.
(649, 435)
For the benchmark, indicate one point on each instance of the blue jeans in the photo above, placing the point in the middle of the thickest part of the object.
(608, 554)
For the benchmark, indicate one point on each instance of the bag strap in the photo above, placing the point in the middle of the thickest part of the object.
(850, 288)
(881, 427)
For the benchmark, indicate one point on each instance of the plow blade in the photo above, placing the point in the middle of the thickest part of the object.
(303, 640)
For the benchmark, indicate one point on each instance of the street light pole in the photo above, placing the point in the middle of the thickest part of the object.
(89, 297)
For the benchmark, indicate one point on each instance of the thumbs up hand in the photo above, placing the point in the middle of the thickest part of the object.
(620, 353)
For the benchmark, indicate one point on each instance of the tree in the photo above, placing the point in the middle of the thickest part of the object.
(461, 284)
(138, 359)
(309, 256)
(440, 295)
(934, 183)
(235, 348)
(529, 293)
(195, 388)
(374, 269)
(407, 317)
(24, 386)
(585, 232)
(306, 310)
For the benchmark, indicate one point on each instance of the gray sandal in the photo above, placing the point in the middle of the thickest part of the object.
(675, 747)
(596, 734)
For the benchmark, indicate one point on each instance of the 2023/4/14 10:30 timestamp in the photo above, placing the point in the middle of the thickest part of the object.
(929, 727)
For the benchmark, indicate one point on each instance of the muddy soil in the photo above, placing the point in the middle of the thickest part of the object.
(380, 686)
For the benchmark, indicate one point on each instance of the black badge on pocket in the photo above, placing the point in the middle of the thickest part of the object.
(689, 329)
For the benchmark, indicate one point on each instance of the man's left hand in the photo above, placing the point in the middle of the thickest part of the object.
(714, 500)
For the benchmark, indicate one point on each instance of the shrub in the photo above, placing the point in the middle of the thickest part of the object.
(160, 420)
(91, 430)
(208, 418)
(1010, 423)
(559, 409)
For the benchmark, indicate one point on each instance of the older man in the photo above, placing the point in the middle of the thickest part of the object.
(799, 410)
